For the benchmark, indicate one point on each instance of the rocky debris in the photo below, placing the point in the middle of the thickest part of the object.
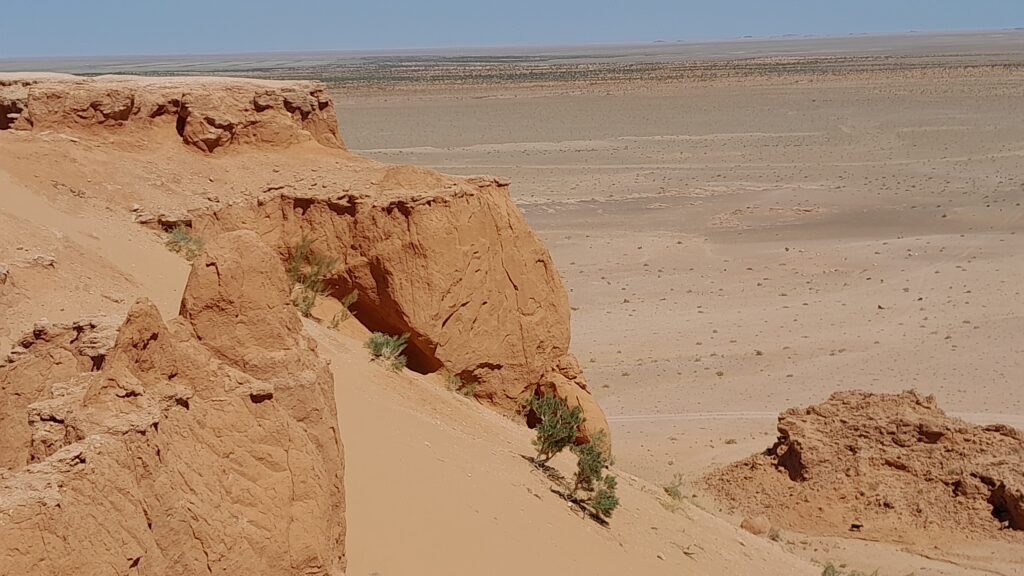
(756, 525)
(48, 353)
(452, 263)
(206, 113)
(178, 454)
(38, 260)
(889, 464)
(5, 273)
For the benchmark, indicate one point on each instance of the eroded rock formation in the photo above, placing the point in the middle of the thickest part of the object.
(448, 260)
(885, 464)
(207, 113)
(183, 448)
(457, 268)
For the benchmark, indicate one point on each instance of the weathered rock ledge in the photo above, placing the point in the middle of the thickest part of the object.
(206, 113)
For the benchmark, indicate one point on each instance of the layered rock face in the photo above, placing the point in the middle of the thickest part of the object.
(183, 448)
(448, 260)
(892, 464)
(458, 269)
(207, 113)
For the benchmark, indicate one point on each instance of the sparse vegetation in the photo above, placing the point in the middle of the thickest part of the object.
(180, 240)
(605, 500)
(830, 569)
(455, 384)
(350, 299)
(674, 488)
(345, 314)
(388, 349)
(304, 302)
(309, 269)
(557, 428)
(591, 463)
(592, 489)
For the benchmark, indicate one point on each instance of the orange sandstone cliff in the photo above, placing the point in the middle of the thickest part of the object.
(209, 443)
(449, 260)
(205, 445)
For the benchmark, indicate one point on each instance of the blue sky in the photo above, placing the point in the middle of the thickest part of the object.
(101, 27)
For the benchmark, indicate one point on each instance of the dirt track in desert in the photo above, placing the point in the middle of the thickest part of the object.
(736, 247)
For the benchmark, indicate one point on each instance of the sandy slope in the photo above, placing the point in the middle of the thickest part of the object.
(436, 484)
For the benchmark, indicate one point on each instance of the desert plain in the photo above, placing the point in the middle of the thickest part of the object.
(757, 233)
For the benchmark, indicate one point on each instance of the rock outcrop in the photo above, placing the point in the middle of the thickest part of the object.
(207, 113)
(48, 353)
(888, 465)
(448, 260)
(457, 268)
(183, 450)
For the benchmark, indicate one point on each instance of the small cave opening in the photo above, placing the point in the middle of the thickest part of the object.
(419, 351)
(9, 112)
(1005, 508)
(179, 124)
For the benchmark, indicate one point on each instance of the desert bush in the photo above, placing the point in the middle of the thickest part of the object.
(309, 269)
(831, 570)
(346, 313)
(181, 241)
(557, 428)
(388, 349)
(674, 488)
(456, 384)
(605, 500)
(303, 302)
(591, 463)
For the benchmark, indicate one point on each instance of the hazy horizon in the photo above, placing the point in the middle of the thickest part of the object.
(112, 28)
(526, 48)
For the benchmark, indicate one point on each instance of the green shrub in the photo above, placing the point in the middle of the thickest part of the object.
(346, 313)
(388, 349)
(557, 428)
(303, 302)
(349, 300)
(831, 570)
(674, 489)
(605, 501)
(181, 241)
(590, 465)
(309, 269)
(591, 462)
(455, 384)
